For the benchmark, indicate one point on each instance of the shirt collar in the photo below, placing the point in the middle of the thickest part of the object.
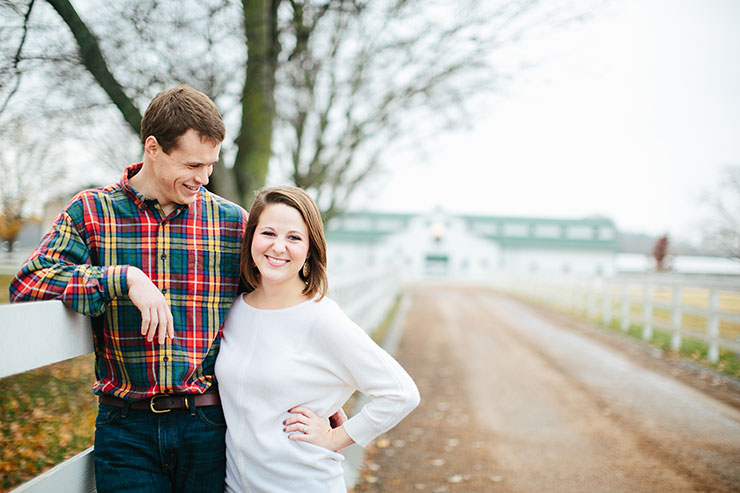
(140, 199)
(137, 197)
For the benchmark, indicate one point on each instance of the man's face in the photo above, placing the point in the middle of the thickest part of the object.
(180, 174)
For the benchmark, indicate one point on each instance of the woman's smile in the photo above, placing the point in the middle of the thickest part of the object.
(280, 245)
(277, 262)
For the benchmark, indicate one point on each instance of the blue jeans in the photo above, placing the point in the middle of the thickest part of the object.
(179, 451)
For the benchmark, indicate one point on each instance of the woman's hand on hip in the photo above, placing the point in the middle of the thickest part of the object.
(307, 426)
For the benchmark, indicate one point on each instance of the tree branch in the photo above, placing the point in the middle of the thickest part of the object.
(94, 61)
(17, 58)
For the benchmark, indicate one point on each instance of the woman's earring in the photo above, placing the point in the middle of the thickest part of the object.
(306, 269)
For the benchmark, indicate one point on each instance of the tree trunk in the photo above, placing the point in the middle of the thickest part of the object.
(254, 141)
(93, 60)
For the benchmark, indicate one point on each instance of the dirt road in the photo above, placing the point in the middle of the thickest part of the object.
(514, 401)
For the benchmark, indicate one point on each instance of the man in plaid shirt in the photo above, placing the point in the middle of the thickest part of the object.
(154, 259)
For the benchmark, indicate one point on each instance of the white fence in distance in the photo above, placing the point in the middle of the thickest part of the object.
(46, 332)
(10, 262)
(607, 299)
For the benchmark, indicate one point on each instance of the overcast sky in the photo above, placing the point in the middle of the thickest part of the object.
(632, 118)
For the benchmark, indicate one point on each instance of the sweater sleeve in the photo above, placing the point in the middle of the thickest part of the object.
(60, 269)
(371, 370)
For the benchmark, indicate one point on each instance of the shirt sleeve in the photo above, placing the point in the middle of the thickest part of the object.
(371, 370)
(60, 269)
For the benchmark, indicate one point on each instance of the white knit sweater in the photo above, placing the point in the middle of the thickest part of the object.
(313, 355)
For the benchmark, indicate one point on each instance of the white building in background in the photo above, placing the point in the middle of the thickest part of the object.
(465, 247)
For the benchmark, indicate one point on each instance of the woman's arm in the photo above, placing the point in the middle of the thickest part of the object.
(361, 364)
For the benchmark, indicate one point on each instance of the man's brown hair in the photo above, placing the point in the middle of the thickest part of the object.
(172, 112)
(316, 281)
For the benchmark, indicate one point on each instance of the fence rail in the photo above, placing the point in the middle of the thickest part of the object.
(703, 308)
(46, 332)
(10, 262)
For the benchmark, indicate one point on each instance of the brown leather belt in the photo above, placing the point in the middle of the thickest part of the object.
(164, 403)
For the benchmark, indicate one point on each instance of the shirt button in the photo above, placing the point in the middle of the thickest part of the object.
(164, 290)
(165, 359)
(163, 256)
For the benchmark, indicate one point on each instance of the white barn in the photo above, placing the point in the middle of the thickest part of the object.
(470, 248)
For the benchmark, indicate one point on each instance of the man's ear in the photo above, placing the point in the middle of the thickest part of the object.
(151, 146)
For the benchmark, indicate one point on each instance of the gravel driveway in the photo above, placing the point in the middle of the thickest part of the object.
(516, 398)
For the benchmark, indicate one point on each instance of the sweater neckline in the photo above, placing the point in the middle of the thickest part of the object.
(273, 310)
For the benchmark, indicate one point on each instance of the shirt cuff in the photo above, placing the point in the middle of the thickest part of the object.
(360, 429)
(114, 281)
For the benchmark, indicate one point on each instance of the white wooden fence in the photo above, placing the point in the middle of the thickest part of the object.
(11, 261)
(678, 304)
(38, 334)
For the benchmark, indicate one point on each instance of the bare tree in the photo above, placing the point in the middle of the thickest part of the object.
(722, 229)
(27, 169)
(145, 46)
(340, 83)
(360, 81)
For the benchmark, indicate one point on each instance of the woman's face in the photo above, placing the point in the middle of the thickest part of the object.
(280, 244)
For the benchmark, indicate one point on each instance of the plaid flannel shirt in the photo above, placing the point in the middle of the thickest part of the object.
(192, 255)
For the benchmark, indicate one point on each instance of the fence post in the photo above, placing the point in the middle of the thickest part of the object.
(625, 307)
(565, 294)
(542, 286)
(591, 298)
(647, 327)
(676, 318)
(713, 326)
(606, 303)
(571, 294)
(576, 296)
(583, 298)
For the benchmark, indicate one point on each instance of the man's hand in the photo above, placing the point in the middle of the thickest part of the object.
(155, 312)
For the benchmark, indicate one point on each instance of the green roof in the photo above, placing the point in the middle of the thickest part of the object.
(356, 236)
(590, 233)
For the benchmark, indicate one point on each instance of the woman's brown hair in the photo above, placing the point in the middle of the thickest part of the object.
(316, 280)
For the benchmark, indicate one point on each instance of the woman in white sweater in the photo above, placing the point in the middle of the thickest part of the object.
(290, 358)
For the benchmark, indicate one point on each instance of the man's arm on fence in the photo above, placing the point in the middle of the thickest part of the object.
(60, 269)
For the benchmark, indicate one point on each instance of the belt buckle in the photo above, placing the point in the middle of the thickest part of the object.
(151, 404)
